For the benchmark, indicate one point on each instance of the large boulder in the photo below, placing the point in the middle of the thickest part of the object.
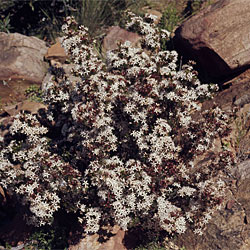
(21, 58)
(218, 37)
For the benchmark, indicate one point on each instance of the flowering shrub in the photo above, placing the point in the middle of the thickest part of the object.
(119, 145)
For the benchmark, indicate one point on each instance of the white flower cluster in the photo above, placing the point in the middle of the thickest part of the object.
(146, 29)
(124, 187)
(38, 177)
(119, 145)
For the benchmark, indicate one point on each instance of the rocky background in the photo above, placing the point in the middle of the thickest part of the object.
(215, 34)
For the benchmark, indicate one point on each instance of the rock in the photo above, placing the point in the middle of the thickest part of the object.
(21, 58)
(238, 94)
(13, 91)
(230, 204)
(90, 242)
(217, 37)
(12, 110)
(241, 131)
(115, 35)
(243, 197)
(56, 52)
(242, 172)
(30, 106)
(27, 105)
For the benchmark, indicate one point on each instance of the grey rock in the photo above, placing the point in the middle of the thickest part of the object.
(22, 57)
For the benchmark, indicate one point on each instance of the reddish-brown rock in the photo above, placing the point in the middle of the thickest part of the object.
(237, 94)
(91, 242)
(12, 110)
(56, 52)
(218, 37)
(31, 106)
(21, 58)
(13, 91)
(115, 35)
(26, 105)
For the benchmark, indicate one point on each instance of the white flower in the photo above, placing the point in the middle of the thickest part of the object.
(186, 191)
(198, 231)
(180, 225)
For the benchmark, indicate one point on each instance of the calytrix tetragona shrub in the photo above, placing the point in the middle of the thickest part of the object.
(119, 145)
